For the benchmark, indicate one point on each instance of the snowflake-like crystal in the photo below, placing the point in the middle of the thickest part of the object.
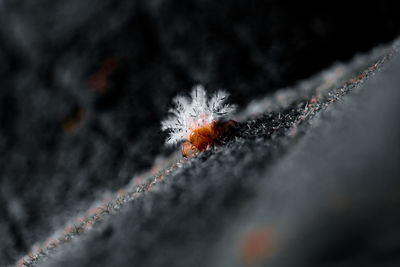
(193, 113)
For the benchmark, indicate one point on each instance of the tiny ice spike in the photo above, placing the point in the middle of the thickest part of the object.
(189, 115)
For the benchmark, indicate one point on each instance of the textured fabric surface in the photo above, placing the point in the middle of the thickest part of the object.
(85, 84)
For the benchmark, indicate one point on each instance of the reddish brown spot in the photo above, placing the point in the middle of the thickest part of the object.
(257, 245)
(341, 203)
(71, 123)
(98, 80)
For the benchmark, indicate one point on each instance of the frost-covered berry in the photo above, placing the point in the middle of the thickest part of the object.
(197, 119)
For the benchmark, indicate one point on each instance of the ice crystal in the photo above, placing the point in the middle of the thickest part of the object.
(197, 111)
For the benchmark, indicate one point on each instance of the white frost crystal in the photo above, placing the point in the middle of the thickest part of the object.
(189, 114)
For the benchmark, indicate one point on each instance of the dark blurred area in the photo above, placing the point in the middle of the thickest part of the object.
(84, 85)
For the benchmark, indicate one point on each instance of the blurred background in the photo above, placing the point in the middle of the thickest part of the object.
(84, 85)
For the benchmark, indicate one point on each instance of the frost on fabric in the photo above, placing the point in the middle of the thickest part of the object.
(197, 111)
